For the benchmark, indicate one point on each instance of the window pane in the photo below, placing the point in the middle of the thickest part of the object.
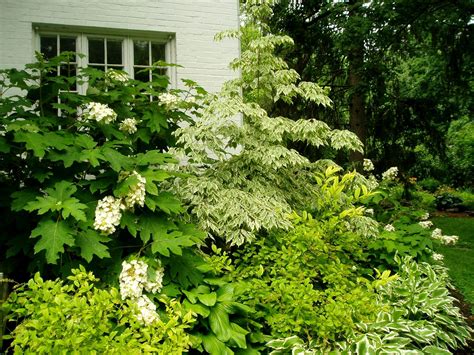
(157, 52)
(98, 67)
(114, 51)
(49, 46)
(142, 75)
(140, 52)
(67, 44)
(96, 50)
(68, 70)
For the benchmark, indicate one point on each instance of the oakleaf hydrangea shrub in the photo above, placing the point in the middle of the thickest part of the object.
(81, 175)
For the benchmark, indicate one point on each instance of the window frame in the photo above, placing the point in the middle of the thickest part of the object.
(127, 37)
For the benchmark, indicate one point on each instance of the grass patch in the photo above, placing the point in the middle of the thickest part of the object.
(459, 258)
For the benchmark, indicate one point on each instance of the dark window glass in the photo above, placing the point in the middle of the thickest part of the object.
(114, 51)
(96, 50)
(142, 75)
(68, 70)
(140, 53)
(157, 52)
(98, 67)
(49, 46)
(67, 44)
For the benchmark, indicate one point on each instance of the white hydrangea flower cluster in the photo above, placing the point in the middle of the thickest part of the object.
(390, 174)
(372, 183)
(112, 75)
(425, 216)
(444, 239)
(368, 165)
(128, 125)
(389, 228)
(133, 281)
(437, 257)
(98, 112)
(169, 100)
(108, 214)
(136, 193)
(109, 210)
(146, 311)
(426, 224)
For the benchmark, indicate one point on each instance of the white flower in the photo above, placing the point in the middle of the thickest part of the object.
(107, 214)
(368, 165)
(98, 112)
(155, 285)
(169, 100)
(369, 211)
(444, 239)
(191, 100)
(437, 257)
(136, 193)
(450, 239)
(146, 311)
(112, 75)
(437, 233)
(425, 216)
(134, 278)
(389, 228)
(390, 174)
(426, 224)
(128, 125)
(372, 183)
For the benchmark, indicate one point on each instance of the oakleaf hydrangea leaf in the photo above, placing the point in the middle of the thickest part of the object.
(90, 242)
(54, 235)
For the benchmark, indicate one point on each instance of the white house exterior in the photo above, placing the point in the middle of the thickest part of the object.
(125, 34)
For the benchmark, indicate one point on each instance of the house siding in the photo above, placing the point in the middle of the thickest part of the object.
(193, 23)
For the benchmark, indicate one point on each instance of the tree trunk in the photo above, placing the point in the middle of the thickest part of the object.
(357, 115)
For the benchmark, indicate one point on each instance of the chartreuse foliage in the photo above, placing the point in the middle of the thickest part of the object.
(416, 316)
(76, 316)
(306, 282)
(251, 161)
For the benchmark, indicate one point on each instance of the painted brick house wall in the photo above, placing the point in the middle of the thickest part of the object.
(191, 23)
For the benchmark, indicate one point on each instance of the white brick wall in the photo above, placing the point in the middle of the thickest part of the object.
(194, 22)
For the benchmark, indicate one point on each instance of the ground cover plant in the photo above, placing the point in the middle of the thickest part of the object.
(250, 247)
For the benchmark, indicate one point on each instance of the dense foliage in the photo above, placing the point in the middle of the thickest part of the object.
(166, 221)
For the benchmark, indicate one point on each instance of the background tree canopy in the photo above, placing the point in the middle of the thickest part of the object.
(399, 72)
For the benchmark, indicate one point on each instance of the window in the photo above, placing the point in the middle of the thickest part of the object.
(129, 53)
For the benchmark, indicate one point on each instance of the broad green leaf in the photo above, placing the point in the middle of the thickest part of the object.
(154, 157)
(170, 243)
(209, 299)
(90, 242)
(33, 141)
(155, 121)
(154, 226)
(214, 346)
(117, 161)
(59, 199)
(219, 322)
(197, 308)
(168, 203)
(238, 336)
(53, 237)
(21, 199)
(185, 268)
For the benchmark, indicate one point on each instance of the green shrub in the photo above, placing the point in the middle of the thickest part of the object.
(307, 281)
(447, 201)
(417, 315)
(75, 316)
(429, 184)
